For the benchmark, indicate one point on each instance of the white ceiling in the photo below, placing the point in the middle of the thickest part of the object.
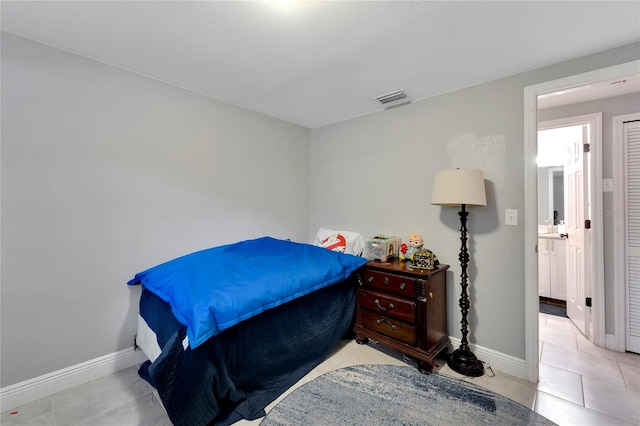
(316, 63)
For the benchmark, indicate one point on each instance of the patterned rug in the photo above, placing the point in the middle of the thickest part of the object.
(396, 395)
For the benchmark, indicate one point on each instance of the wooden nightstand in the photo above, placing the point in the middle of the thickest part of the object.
(404, 309)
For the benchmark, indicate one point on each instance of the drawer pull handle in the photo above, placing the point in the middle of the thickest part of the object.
(386, 280)
(381, 320)
(403, 286)
(370, 279)
(377, 302)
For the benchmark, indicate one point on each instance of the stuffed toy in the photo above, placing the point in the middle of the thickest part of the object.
(414, 244)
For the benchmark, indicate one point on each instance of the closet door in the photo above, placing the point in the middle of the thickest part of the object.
(632, 221)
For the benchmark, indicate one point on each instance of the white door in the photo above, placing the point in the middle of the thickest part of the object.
(576, 205)
(632, 208)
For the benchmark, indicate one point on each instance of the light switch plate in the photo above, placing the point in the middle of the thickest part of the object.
(511, 217)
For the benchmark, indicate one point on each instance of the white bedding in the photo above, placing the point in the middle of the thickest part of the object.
(341, 241)
(147, 340)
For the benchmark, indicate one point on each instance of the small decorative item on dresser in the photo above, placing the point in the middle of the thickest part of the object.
(414, 244)
(424, 259)
(381, 247)
(404, 309)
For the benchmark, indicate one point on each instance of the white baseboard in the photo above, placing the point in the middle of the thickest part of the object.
(612, 342)
(497, 360)
(33, 389)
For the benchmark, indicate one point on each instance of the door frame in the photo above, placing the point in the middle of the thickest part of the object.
(531, 206)
(618, 341)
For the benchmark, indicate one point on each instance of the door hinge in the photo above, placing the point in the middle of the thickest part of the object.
(587, 147)
(587, 224)
(587, 302)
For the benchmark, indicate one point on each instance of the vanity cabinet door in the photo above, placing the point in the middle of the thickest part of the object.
(544, 268)
(552, 268)
(558, 269)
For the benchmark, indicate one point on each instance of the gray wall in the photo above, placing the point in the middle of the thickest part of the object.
(374, 174)
(106, 173)
(610, 107)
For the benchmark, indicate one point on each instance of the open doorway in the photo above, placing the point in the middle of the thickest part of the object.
(568, 158)
(552, 256)
(530, 210)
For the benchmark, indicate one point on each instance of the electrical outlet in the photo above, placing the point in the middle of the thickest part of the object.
(511, 217)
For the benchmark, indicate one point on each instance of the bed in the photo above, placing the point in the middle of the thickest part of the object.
(229, 329)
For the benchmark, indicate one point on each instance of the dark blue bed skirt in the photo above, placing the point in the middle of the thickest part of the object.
(237, 373)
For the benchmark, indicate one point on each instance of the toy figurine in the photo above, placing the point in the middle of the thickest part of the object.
(408, 250)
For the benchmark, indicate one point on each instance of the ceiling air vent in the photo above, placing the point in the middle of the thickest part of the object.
(391, 97)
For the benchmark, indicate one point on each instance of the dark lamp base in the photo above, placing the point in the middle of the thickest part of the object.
(465, 362)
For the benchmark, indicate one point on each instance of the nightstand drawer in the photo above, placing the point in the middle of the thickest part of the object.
(404, 309)
(389, 326)
(397, 284)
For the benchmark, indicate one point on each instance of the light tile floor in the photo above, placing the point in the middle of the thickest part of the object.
(580, 384)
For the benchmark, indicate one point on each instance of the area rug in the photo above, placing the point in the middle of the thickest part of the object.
(552, 309)
(396, 395)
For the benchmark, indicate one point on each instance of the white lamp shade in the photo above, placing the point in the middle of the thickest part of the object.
(457, 187)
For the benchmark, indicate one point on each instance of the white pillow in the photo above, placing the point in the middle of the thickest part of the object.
(342, 241)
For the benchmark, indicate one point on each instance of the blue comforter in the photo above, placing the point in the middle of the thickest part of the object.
(237, 373)
(214, 289)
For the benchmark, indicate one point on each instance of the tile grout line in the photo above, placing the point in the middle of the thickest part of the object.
(53, 410)
(584, 401)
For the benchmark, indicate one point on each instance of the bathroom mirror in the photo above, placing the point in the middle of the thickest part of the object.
(550, 195)
(557, 187)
